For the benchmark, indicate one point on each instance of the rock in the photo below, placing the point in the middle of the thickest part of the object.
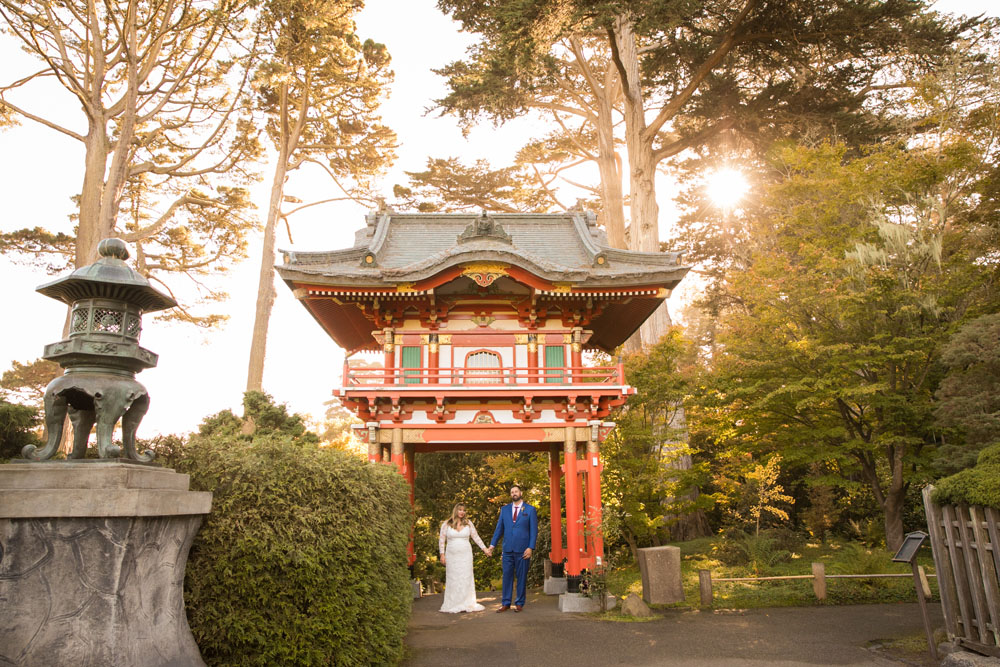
(634, 606)
(969, 659)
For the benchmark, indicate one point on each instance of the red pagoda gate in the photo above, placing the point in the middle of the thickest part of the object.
(482, 321)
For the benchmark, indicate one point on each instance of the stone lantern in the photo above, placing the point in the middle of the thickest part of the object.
(101, 356)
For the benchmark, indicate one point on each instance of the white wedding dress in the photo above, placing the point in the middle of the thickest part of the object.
(459, 582)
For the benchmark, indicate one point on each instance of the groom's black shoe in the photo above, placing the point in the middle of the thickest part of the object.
(503, 608)
(518, 607)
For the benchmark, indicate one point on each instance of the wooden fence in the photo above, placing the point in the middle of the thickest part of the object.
(966, 544)
(818, 576)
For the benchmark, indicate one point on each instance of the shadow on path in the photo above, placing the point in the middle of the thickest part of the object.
(541, 635)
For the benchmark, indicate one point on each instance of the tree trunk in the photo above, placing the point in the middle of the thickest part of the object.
(265, 285)
(612, 199)
(893, 509)
(894, 501)
(644, 231)
(88, 234)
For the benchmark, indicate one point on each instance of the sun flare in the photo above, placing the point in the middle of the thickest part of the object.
(725, 187)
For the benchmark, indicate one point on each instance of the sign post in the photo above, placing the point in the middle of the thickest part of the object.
(908, 554)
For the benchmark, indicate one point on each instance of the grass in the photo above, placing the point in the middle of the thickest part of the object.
(839, 556)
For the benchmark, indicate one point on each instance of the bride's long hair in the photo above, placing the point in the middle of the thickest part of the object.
(454, 521)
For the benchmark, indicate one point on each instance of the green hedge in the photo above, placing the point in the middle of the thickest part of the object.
(302, 560)
(979, 485)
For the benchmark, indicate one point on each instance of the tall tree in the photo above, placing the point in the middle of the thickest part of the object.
(448, 185)
(691, 73)
(579, 93)
(320, 88)
(829, 350)
(26, 383)
(160, 87)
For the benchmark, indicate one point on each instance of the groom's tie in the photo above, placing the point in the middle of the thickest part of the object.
(515, 514)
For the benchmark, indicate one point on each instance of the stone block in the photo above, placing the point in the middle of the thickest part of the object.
(554, 585)
(417, 591)
(96, 489)
(578, 603)
(85, 581)
(660, 569)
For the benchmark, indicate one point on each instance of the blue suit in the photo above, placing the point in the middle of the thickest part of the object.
(516, 538)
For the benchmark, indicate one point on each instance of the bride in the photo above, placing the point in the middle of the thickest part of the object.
(456, 554)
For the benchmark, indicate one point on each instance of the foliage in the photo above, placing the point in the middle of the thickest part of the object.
(973, 486)
(969, 395)
(764, 492)
(303, 558)
(167, 144)
(649, 488)
(861, 559)
(823, 511)
(337, 429)
(26, 383)
(260, 414)
(858, 271)
(760, 554)
(989, 455)
(16, 428)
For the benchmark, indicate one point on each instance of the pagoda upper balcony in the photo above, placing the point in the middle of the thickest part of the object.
(485, 380)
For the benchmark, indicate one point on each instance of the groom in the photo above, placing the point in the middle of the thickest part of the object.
(518, 526)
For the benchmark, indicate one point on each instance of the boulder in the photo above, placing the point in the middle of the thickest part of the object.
(634, 606)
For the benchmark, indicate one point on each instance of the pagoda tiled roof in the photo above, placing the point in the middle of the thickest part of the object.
(403, 248)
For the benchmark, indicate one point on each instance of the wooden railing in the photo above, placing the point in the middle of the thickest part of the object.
(484, 377)
(819, 578)
(966, 544)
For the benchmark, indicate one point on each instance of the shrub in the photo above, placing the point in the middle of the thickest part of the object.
(16, 422)
(727, 548)
(784, 539)
(989, 455)
(972, 486)
(761, 554)
(303, 558)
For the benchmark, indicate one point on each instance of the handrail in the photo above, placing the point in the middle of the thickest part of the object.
(483, 377)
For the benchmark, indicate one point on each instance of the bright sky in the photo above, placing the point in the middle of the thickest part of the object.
(200, 373)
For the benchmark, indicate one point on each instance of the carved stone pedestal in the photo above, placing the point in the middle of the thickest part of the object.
(92, 558)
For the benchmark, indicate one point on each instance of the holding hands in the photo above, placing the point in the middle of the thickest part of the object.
(489, 551)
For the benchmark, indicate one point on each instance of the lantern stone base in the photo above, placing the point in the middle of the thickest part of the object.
(92, 558)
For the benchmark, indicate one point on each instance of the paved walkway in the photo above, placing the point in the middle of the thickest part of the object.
(541, 635)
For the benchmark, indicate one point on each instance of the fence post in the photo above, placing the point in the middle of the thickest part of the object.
(819, 580)
(705, 587)
(924, 584)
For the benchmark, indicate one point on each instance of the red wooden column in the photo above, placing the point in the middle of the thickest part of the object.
(594, 468)
(573, 508)
(389, 348)
(533, 361)
(433, 358)
(581, 520)
(555, 506)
